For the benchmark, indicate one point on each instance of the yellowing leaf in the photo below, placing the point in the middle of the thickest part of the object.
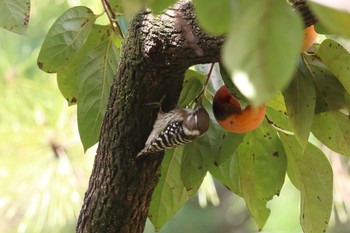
(14, 15)
(310, 171)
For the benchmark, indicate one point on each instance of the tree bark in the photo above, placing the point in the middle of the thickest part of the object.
(156, 54)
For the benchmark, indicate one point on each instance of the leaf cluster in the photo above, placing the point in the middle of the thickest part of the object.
(85, 56)
(307, 95)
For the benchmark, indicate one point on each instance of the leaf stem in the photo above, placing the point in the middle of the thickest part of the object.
(111, 17)
(206, 83)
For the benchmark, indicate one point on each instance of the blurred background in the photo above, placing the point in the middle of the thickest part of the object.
(44, 171)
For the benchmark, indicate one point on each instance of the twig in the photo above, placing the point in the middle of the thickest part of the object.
(112, 17)
(206, 82)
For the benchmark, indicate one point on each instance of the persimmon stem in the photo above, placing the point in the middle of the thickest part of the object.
(205, 84)
(108, 5)
(208, 76)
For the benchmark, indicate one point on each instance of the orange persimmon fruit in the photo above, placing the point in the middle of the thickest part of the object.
(310, 36)
(231, 117)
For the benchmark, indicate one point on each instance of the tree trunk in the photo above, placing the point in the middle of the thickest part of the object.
(155, 56)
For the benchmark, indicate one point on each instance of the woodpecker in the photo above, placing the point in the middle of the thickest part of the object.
(174, 128)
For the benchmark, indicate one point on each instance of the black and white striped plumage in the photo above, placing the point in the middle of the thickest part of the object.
(177, 127)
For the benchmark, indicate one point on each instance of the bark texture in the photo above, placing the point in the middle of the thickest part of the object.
(155, 56)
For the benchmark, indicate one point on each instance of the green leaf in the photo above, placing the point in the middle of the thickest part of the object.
(158, 6)
(67, 76)
(300, 101)
(329, 91)
(222, 144)
(131, 7)
(228, 174)
(311, 173)
(191, 87)
(117, 6)
(347, 101)
(215, 81)
(276, 113)
(195, 162)
(258, 53)
(337, 59)
(14, 15)
(256, 171)
(320, 29)
(233, 90)
(67, 83)
(262, 167)
(334, 15)
(277, 103)
(214, 16)
(211, 149)
(226, 147)
(66, 36)
(95, 76)
(333, 130)
(170, 193)
(278, 119)
(198, 155)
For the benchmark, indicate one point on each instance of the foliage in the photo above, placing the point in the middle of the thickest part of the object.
(306, 93)
(15, 15)
(41, 191)
(315, 185)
